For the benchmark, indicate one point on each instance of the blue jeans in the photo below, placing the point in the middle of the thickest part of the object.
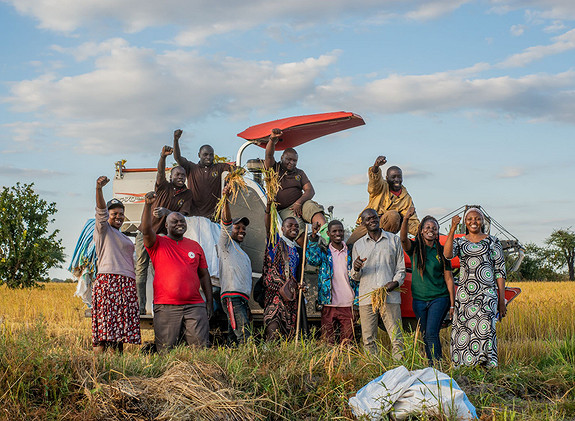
(430, 315)
(242, 318)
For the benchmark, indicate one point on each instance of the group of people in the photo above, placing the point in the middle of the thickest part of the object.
(352, 273)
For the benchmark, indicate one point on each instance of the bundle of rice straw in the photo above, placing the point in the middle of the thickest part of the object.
(186, 391)
(379, 299)
(221, 159)
(273, 186)
(237, 185)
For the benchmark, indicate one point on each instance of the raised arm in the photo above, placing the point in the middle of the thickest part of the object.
(226, 213)
(100, 183)
(399, 276)
(146, 225)
(448, 247)
(406, 242)
(376, 183)
(413, 220)
(177, 155)
(161, 176)
(275, 136)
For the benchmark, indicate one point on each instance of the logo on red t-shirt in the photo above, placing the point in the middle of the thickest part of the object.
(191, 255)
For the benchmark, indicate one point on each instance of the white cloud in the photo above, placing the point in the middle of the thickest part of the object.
(410, 172)
(511, 172)
(9, 170)
(435, 9)
(544, 9)
(354, 180)
(556, 26)
(92, 49)
(517, 30)
(199, 19)
(562, 43)
(133, 94)
(541, 96)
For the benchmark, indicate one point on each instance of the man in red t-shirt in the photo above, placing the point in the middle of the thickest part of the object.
(180, 270)
(171, 196)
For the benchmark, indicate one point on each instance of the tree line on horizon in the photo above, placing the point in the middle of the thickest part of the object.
(29, 249)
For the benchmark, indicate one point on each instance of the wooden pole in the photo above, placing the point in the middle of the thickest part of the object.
(299, 299)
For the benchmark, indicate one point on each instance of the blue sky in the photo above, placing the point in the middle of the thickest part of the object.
(475, 100)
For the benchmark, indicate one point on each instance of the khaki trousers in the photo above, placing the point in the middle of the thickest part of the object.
(391, 318)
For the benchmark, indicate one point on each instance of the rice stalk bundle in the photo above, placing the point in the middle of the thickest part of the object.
(273, 186)
(235, 179)
(186, 391)
(221, 159)
(379, 299)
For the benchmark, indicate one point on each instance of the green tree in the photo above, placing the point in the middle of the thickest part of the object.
(561, 249)
(27, 249)
(536, 265)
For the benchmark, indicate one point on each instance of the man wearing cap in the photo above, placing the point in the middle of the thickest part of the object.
(180, 271)
(171, 196)
(235, 274)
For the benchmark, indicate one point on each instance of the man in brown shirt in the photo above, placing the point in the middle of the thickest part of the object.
(171, 196)
(204, 178)
(294, 197)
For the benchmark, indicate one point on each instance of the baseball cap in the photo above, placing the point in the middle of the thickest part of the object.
(243, 219)
(114, 203)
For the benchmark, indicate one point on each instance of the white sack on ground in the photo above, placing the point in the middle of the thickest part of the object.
(406, 392)
(207, 233)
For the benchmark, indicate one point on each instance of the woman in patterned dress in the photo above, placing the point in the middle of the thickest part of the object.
(480, 297)
(115, 310)
(279, 314)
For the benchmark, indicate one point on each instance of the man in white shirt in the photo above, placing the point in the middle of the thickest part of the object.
(378, 262)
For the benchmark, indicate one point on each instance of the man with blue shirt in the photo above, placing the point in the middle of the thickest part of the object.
(337, 293)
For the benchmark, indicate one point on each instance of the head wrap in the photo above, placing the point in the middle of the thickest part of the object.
(474, 210)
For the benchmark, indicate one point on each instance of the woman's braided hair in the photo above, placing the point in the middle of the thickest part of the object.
(420, 249)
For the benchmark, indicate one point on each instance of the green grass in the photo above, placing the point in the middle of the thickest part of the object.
(43, 376)
(49, 372)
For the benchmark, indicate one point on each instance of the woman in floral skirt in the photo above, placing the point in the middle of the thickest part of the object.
(115, 311)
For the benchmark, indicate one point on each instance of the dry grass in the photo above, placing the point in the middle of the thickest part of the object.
(47, 369)
(186, 391)
(237, 185)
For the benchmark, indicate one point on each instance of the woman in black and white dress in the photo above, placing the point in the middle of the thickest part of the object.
(480, 297)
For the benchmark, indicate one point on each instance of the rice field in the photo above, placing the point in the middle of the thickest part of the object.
(48, 371)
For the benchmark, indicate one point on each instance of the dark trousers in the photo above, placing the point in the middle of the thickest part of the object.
(241, 317)
(430, 315)
(331, 317)
(171, 321)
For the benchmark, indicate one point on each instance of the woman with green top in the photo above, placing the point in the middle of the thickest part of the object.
(432, 284)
